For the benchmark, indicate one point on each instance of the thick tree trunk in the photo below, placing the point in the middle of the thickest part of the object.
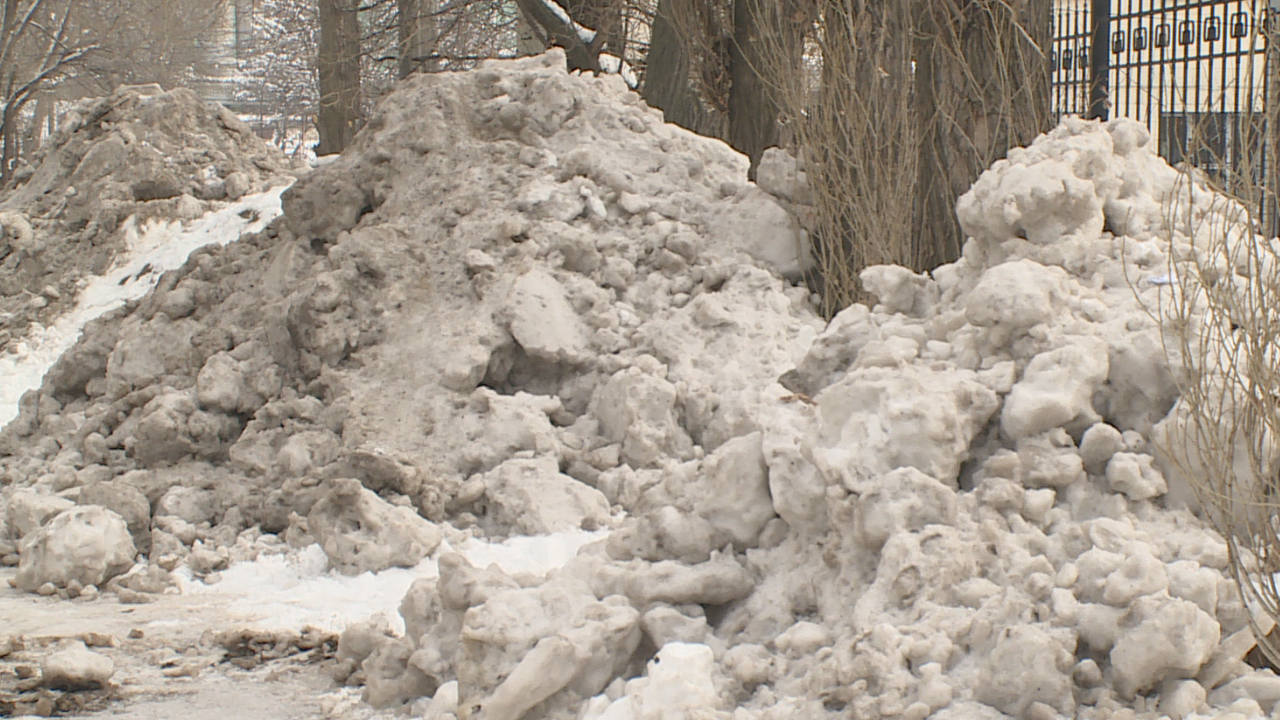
(981, 87)
(339, 66)
(418, 36)
(753, 116)
(666, 78)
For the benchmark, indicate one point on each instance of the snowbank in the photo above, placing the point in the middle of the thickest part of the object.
(116, 164)
(517, 302)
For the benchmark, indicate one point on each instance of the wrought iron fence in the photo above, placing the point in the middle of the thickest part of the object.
(1194, 71)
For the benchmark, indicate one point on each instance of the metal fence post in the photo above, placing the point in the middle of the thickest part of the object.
(1100, 60)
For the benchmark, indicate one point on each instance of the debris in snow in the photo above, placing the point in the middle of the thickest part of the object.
(948, 504)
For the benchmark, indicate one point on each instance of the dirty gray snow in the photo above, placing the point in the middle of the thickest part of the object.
(520, 304)
(117, 163)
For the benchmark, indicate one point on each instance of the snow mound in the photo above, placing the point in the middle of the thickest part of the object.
(519, 299)
(117, 163)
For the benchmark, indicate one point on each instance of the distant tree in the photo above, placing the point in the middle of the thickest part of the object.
(279, 75)
(40, 42)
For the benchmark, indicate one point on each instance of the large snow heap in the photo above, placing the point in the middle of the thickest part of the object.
(115, 163)
(520, 303)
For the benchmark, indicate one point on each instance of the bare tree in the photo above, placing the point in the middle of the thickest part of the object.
(39, 42)
(339, 74)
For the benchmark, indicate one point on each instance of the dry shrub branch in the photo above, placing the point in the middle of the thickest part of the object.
(1222, 317)
(896, 108)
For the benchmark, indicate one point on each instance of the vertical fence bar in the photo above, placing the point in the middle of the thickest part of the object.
(1099, 59)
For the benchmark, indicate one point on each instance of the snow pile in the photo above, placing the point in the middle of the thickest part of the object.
(521, 304)
(116, 163)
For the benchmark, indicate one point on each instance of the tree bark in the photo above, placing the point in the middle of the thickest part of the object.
(578, 55)
(981, 87)
(753, 115)
(666, 78)
(418, 34)
(339, 66)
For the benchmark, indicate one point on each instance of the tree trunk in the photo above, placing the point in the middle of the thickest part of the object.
(527, 40)
(578, 55)
(339, 66)
(981, 87)
(418, 36)
(753, 116)
(666, 78)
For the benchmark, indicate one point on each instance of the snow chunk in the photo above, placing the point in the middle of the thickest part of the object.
(877, 419)
(1167, 638)
(86, 544)
(1056, 389)
(360, 531)
(534, 497)
(1028, 665)
(543, 321)
(76, 667)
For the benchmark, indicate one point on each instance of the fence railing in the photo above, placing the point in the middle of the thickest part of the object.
(1194, 71)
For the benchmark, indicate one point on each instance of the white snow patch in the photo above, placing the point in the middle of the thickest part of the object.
(297, 589)
(155, 249)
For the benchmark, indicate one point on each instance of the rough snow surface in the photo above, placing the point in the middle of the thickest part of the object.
(155, 248)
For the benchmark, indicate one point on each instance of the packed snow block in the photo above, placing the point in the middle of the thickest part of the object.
(1015, 296)
(236, 386)
(664, 624)
(157, 348)
(581, 661)
(88, 544)
(126, 501)
(361, 532)
(901, 500)
(543, 322)
(899, 290)
(1134, 475)
(732, 491)
(578, 643)
(664, 533)
(638, 409)
(1040, 202)
(1028, 665)
(1141, 573)
(503, 425)
(75, 667)
(1097, 446)
(833, 352)
(876, 420)
(797, 488)
(1181, 698)
(1056, 390)
(390, 680)
(1162, 637)
(678, 683)
(192, 505)
(1049, 460)
(535, 498)
(30, 510)
(172, 427)
(780, 175)
(752, 221)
